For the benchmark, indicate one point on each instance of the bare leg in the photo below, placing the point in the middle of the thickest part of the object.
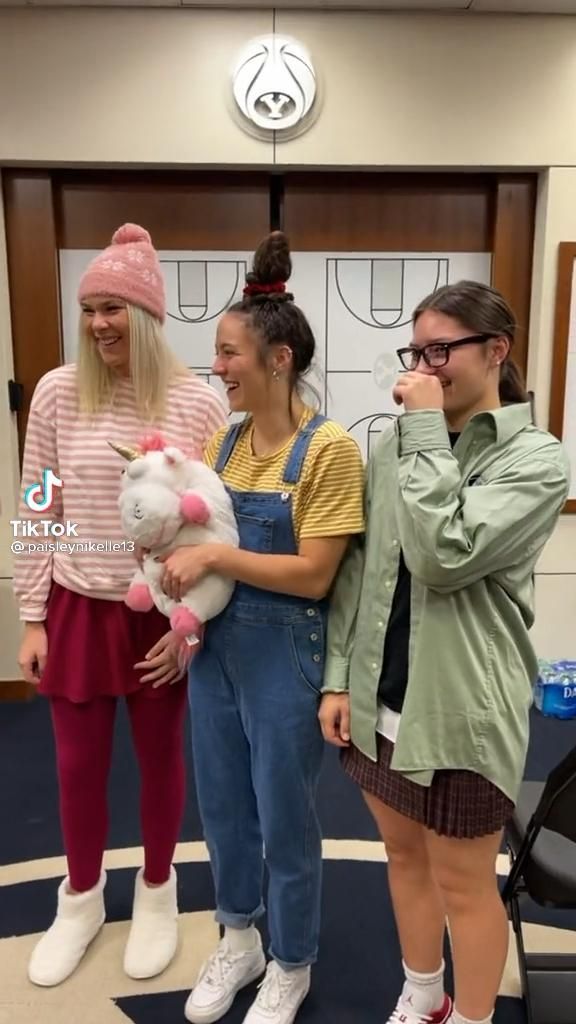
(416, 898)
(465, 870)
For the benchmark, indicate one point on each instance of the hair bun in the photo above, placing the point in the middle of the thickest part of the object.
(129, 234)
(272, 263)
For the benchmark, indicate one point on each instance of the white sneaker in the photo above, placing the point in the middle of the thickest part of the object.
(279, 996)
(220, 980)
(153, 937)
(78, 920)
(406, 1014)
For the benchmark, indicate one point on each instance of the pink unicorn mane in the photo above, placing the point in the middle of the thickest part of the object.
(152, 443)
(155, 442)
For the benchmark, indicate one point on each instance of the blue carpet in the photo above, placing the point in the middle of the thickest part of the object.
(321, 1007)
(29, 792)
(359, 973)
(28, 795)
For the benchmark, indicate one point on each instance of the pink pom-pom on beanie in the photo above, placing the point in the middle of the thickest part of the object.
(128, 269)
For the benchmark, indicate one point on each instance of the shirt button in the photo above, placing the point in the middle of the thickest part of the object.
(313, 636)
(315, 657)
(380, 625)
(394, 543)
(388, 584)
(374, 665)
(310, 612)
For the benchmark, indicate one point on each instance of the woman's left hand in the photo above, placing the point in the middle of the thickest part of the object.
(162, 662)
(185, 567)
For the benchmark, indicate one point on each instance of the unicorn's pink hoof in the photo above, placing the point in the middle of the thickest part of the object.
(139, 598)
(184, 622)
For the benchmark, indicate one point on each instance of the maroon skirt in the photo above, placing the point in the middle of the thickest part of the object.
(460, 804)
(93, 645)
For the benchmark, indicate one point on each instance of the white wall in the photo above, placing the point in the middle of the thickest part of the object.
(440, 90)
(115, 86)
(150, 87)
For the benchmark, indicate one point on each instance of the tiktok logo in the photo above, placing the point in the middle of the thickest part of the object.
(39, 497)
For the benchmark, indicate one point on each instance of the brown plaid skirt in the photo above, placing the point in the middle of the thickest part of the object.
(460, 804)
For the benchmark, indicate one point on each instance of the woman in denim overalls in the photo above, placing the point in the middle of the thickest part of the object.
(296, 480)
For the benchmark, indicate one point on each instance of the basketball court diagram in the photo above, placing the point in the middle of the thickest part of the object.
(359, 306)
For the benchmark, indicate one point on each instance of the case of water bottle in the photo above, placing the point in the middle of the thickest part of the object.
(555, 690)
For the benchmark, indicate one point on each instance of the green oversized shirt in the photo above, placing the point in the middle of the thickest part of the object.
(471, 522)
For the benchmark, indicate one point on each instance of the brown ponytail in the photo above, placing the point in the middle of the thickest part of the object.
(511, 387)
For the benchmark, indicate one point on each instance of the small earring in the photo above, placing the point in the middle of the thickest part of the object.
(275, 375)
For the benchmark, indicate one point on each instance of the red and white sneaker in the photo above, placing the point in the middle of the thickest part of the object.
(406, 1014)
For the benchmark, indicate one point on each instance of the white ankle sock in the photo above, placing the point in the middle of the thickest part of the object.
(241, 940)
(457, 1018)
(424, 992)
(299, 969)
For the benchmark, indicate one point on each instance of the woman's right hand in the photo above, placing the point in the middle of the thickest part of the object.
(334, 715)
(33, 652)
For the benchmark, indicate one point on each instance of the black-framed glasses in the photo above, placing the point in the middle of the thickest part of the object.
(438, 353)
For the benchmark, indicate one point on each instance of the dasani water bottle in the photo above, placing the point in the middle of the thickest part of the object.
(555, 690)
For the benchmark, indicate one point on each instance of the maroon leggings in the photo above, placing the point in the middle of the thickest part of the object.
(83, 734)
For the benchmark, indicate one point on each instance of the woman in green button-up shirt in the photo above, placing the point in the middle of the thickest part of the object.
(430, 668)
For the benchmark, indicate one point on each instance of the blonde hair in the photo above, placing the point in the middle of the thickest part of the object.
(152, 366)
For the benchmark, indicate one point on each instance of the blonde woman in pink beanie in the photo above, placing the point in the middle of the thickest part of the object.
(82, 646)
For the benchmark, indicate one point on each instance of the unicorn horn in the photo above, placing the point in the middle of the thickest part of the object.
(130, 454)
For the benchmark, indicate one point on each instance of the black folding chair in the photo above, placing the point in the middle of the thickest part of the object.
(541, 841)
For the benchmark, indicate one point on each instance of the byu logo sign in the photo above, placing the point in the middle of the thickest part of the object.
(274, 83)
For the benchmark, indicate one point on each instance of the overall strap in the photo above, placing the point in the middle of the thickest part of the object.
(227, 446)
(300, 448)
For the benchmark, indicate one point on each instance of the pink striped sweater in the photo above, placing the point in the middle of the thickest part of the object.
(75, 448)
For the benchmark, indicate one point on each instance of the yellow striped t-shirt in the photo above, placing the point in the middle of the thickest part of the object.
(327, 501)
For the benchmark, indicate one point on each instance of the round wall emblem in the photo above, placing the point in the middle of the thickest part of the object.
(274, 83)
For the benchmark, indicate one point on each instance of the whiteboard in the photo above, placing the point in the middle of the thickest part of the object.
(359, 306)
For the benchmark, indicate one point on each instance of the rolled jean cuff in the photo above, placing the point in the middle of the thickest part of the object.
(292, 966)
(230, 920)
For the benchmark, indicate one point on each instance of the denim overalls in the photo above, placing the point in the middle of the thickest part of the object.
(257, 744)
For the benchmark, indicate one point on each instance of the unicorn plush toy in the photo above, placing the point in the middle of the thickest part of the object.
(169, 500)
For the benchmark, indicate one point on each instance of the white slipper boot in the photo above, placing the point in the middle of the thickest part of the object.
(78, 920)
(153, 938)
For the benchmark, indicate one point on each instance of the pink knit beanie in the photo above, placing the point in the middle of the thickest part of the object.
(128, 269)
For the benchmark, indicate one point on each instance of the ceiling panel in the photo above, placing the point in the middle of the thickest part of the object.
(94, 3)
(470, 6)
(524, 6)
(317, 5)
(103, 3)
(307, 5)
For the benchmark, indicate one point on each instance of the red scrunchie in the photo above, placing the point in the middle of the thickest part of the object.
(264, 289)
